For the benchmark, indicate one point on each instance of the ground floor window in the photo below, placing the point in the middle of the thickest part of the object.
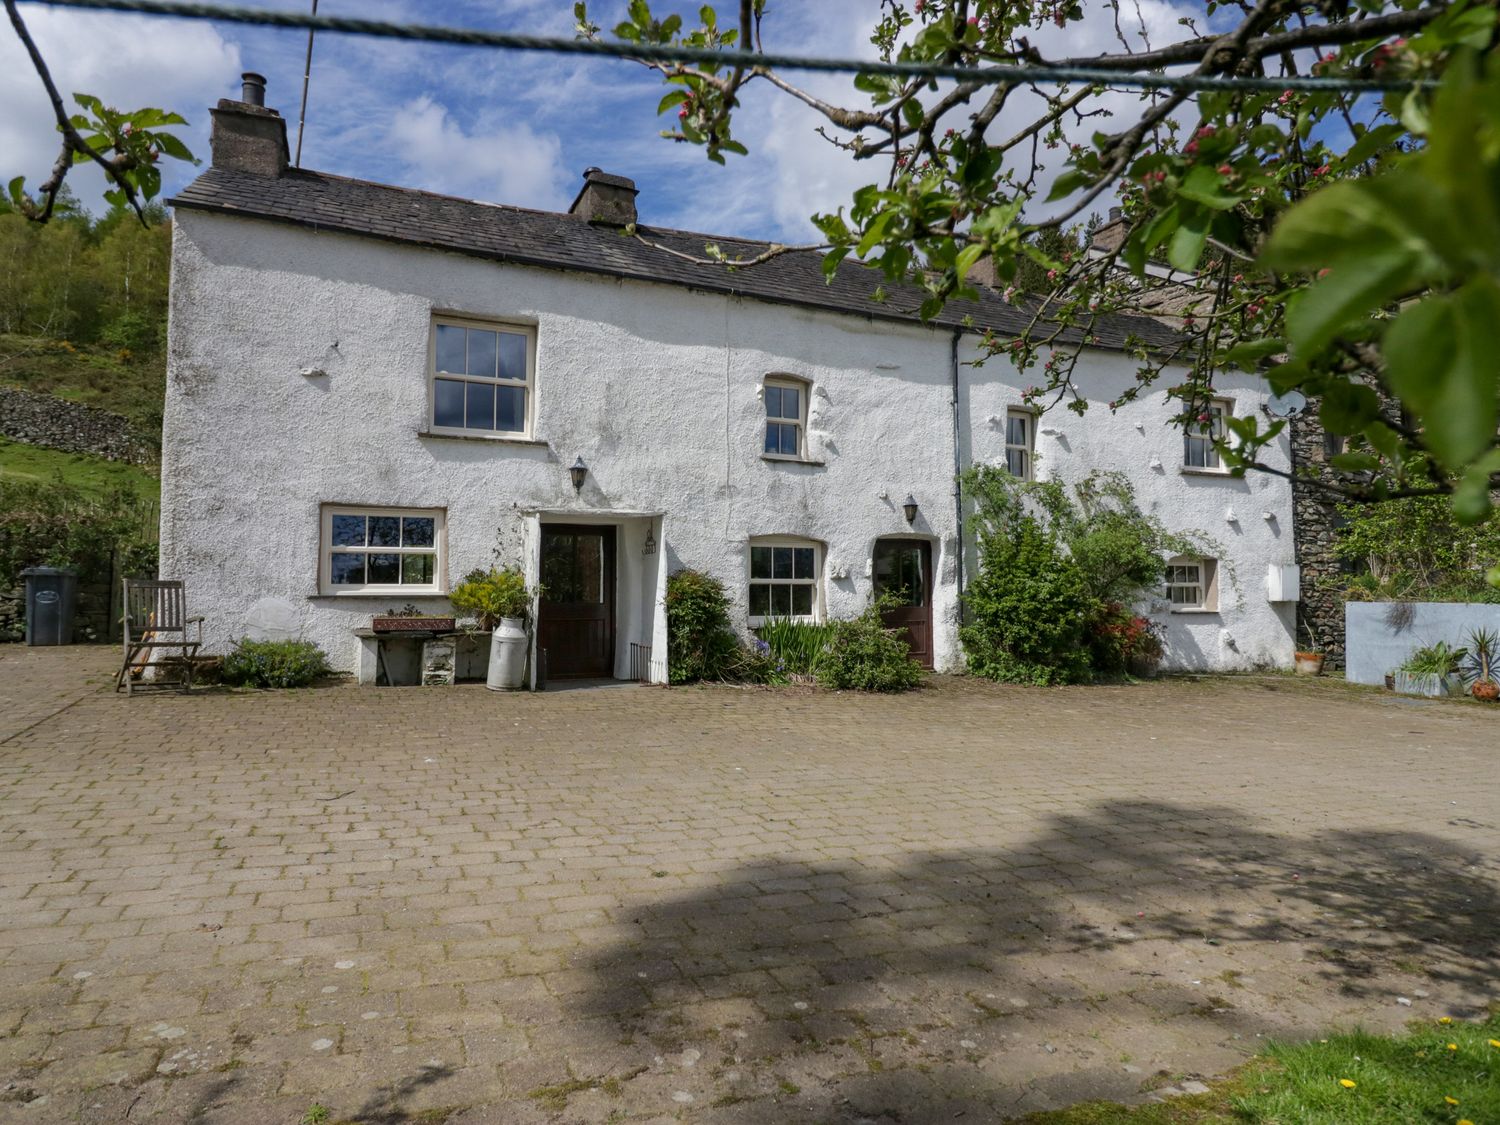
(382, 550)
(784, 579)
(1192, 584)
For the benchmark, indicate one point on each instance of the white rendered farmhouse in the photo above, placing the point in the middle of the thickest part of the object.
(373, 390)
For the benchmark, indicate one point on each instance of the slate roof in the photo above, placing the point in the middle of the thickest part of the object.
(553, 240)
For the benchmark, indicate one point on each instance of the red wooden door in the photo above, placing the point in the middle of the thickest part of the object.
(576, 616)
(903, 570)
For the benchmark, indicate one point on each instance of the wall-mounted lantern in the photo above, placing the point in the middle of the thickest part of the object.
(909, 506)
(649, 546)
(578, 471)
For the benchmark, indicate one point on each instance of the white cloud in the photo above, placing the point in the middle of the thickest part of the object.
(509, 163)
(128, 62)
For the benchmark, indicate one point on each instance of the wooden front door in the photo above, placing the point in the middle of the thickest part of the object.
(576, 616)
(903, 570)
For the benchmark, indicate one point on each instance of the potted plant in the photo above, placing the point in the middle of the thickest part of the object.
(1310, 660)
(499, 600)
(410, 619)
(1432, 670)
(1480, 662)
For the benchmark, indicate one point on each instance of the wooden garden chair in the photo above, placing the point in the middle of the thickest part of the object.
(156, 619)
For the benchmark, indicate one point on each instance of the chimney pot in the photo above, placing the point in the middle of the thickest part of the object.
(606, 199)
(253, 89)
(1116, 214)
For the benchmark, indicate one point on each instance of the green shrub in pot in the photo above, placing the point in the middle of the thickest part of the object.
(490, 595)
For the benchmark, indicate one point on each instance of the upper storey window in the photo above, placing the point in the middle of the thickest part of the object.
(786, 417)
(482, 377)
(1198, 438)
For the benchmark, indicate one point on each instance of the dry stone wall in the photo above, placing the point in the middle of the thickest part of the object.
(41, 419)
(1314, 521)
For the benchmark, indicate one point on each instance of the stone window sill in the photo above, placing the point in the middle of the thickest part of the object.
(1200, 612)
(1195, 471)
(775, 460)
(499, 439)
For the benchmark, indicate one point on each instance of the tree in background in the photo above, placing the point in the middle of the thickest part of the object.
(1347, 241)
(87, 281)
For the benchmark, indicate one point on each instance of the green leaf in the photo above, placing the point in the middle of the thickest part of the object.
(1372, 142)
(1351, 291)
(1347, 407)
(1068, 183)
(1187, 243)
(173, 147)
(1439, 356)
(671, 99)
(874, 232)
(1246, 355)
(967, 257)
(1355, 462)
(1204, 185)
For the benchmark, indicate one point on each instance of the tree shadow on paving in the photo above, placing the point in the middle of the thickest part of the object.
(842, 989)
(384, 1106)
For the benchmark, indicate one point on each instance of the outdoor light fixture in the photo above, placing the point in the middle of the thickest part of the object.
(909, 506)
(649, 546)
(578, 470)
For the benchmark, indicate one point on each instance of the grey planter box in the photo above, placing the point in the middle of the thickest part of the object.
(1428, 684)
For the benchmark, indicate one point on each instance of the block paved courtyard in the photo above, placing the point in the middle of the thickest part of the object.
(715, 905)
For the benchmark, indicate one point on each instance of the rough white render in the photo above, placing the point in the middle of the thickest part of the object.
(1249, 518)
(657, 388)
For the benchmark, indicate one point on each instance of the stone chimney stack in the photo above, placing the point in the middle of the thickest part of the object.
(246, 136)
(1108, 236)
(605, 199)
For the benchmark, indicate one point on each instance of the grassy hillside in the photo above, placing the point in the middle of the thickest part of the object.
(95, 375)
(93, 475)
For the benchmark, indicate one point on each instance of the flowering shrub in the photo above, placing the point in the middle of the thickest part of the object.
(1059, 573)
(1121, 641)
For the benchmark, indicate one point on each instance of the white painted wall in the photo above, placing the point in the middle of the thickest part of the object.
(658, 389)
(1140, 440)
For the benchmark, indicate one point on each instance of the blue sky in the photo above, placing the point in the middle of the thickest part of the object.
(507, 127)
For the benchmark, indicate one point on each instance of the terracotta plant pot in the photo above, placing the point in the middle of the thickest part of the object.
(1486, 690)
(1309, 664)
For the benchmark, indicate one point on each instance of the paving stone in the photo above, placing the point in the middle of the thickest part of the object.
(716, 904)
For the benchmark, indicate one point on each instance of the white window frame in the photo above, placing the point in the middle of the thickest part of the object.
(1198, 574)
(326, 552)
(816, 582)
(1027, 450)
(528, 386)
(804, 394)
(1205, 433)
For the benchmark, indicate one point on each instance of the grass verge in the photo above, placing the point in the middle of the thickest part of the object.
(94, 475)
(1442, 1074)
